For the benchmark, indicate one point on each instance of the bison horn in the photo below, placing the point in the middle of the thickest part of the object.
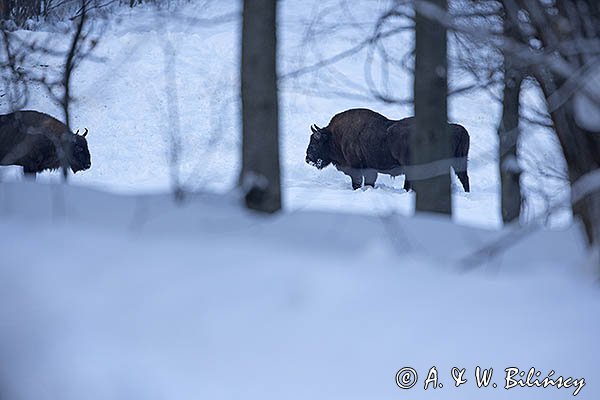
(315, 129)
(85, 132)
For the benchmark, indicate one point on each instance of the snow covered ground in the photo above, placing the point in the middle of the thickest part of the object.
(131, 296)
(122, 100)
(109, 289)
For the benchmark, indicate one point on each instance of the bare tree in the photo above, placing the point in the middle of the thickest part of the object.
(5, 7)
(259, 177)
(508, 132)
(431, 144)
(561, 41)
(71, 62)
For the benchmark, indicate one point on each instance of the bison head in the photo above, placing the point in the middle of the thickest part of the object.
(319, 148)
(78, 153)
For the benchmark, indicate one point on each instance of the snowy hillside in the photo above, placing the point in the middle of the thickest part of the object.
(110, 289)
(136, 297)
(121, 98)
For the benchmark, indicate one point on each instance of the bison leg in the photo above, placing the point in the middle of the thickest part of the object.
(460, 168)
(407, 184)
(464, 179)
(354, 174)
(29, 175)
(370, 177)
(356, 181)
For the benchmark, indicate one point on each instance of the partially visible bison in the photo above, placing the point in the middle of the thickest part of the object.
(34, 141)
(362, 143)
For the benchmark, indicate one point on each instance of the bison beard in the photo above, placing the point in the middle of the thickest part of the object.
(362, 143)
(35, 140)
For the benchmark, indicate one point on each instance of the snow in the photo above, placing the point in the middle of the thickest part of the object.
(121, 96)
(110, 295)
(112, 288)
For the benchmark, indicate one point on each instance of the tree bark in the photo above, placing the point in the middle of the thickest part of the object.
(5, 7)
(430, 147)
(581, 149)
(508, 134)
(260, 145)
(553, 26)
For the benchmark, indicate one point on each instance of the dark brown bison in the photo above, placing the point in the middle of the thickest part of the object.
(34, 141)
(362, 143)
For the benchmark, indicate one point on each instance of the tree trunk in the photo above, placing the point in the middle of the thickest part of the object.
(259, 177)
(5, 7)
(581, 149)
(508, 135)
(566, 24)
(582, 155)
(430, 147)
(508, 132)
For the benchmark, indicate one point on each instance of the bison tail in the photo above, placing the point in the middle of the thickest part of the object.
(461, 154)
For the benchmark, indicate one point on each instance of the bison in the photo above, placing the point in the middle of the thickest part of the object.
(362, 143)
(34, 140)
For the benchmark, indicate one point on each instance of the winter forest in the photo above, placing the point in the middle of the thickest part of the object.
(299, 199)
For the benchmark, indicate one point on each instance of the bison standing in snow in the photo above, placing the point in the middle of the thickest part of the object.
(362, 143)
(35, 140)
